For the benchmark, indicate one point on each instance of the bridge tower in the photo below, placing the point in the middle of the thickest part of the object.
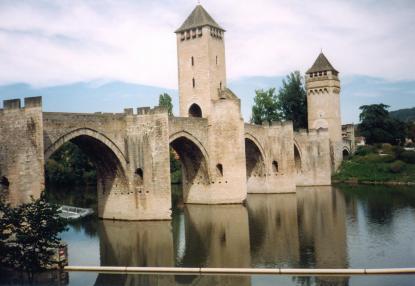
(203, 93)
(323, 104)
(201, 62)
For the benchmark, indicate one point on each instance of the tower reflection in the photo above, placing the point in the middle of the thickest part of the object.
(273, 230)
(217, 236)
(126, 243)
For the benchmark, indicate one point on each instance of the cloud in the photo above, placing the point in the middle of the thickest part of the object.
(58, 42)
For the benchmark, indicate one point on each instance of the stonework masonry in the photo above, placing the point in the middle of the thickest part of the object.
(222, 158)
(21, 148)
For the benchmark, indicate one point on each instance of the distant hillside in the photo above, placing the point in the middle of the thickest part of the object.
(407, 114)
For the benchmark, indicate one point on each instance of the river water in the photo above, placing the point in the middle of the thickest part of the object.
(318, 227)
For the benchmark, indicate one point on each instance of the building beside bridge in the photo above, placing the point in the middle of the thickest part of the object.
(222, 157)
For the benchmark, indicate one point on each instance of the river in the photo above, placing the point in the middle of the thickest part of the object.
(318, 227)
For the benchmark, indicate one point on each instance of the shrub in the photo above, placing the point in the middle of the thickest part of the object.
(364, 150)
(408, 157)
(388, 158)
(387, 148)
(397, 166)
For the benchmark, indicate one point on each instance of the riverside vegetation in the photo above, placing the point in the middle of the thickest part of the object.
(380, 163)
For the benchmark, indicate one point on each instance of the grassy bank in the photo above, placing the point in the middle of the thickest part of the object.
(380, 164)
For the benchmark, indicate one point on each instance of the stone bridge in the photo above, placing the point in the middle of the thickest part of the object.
(222, 158)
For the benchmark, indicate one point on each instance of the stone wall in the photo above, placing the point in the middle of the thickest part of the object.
(273, 170)
(130, 152)
(21, 148)
(212, 154)
(312, 157)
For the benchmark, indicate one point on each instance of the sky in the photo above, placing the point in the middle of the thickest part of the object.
(60, 45)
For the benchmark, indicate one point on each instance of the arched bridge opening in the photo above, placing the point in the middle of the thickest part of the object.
(105, 157)
(297, 159)
(346, 154)
(255, 163)
(194, 166)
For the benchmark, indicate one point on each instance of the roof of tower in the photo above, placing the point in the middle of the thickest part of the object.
(321, 64)
(198, 18)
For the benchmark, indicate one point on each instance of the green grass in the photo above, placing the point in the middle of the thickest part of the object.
(374, 167)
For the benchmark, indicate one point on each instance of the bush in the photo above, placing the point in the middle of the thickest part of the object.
(364, 150)
(397, 166)
(408, 157)
(388, 149)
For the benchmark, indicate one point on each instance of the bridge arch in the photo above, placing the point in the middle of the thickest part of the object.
(109, 161)
(345, 152)
(297, 157)
(193, 157)
(89, 133)
(254, 156)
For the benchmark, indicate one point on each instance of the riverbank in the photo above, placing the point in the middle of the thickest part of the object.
(383, 164)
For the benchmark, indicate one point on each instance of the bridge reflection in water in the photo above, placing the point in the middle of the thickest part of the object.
(307, 229)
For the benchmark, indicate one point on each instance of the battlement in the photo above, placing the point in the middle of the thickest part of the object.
(312, 132)
(29, 102)
(148, 111)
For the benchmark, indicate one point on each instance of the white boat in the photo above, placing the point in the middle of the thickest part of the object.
(70, 212)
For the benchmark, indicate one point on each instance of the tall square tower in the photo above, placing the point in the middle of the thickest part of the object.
(201, 63)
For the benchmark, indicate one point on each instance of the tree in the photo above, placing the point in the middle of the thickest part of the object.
(166, 102)
(265, 107)
(378, 127)
(289, 104)
(410, 133)
(70, 166)
(292, 100)
(32, 231)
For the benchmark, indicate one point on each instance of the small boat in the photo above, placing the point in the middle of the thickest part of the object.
(71, 213)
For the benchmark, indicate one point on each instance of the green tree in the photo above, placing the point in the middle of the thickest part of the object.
(70, 166)
(166, 102)
(410, 132)
(378, 127)
(265, 107)
(292, 100)
(32, 231)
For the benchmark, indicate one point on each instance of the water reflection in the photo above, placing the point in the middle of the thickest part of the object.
(217, 236)
(320, 227)
(274, 230)
(322, 232)
(124, 243)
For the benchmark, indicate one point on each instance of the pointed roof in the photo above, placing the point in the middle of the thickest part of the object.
(198, 18)
(321, 64)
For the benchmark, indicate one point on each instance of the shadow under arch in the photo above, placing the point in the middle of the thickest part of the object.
(254, 156)
(108, 160)
(297, 158)
(194, 161)
(346, 153)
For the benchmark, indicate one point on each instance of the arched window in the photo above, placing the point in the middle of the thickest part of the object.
(193, 82)
(193, 61)
(219, 169)
(220, 85)
(275, 166)
(195, 110)
(216, 60)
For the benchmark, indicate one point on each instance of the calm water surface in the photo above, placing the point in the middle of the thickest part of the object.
(319, 227)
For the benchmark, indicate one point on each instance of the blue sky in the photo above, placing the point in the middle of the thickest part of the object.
(107, 55)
